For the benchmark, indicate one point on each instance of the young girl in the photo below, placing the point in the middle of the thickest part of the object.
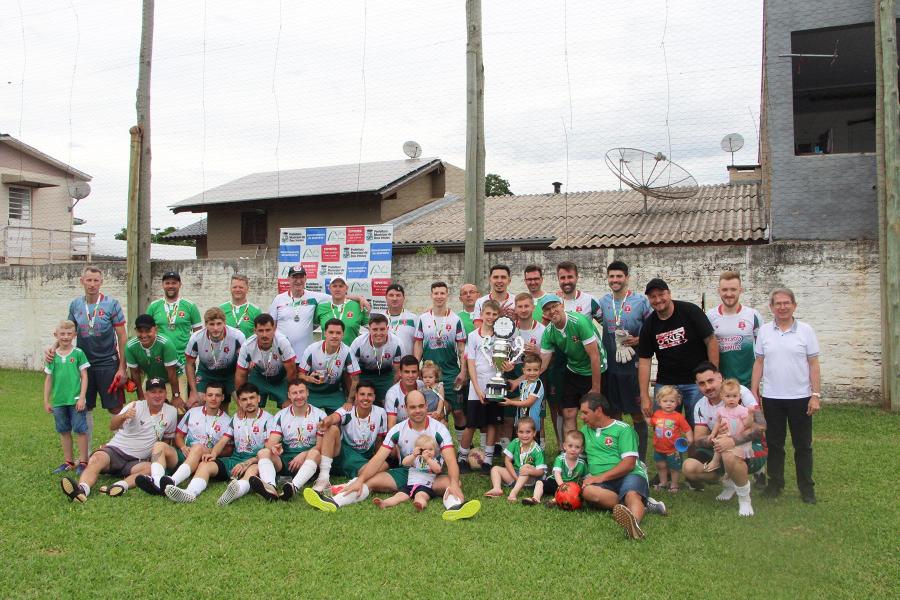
(523, 466)
(732, 419)
(434, 391)
(531, 392)
(568, 466)
(668, 425)
(423, 468)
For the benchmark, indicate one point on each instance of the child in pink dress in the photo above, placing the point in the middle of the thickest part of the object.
(732, 419)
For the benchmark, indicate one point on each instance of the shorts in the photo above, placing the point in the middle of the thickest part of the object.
(99, 380)
(623, 392)
(754, 465)
(400, 475)
(329, 402)
(287, 456)
(227, 463)
(351, 461)
(269, 387)
(554, 381)
(412, 490)
(205, 377)
(628, 483)
(480, 415)
(120, 464)
(673, 461)
(574, 388)
(458, 398)
(70, 420)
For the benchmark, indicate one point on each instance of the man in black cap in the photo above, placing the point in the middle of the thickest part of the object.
(681, 337)
(175, 316)
(152, 355)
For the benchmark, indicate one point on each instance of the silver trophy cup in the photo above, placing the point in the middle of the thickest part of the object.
(504, 346)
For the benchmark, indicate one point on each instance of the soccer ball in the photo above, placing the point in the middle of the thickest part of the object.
(476, 457)
(568, 496)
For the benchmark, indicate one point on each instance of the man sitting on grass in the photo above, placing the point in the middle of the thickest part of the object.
(138, 426)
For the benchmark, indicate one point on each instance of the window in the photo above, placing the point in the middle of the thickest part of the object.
(19, 206)
(253, 227)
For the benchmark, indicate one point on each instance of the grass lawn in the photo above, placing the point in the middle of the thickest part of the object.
(142, 546)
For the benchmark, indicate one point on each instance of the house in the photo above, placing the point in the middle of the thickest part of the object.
(243, 217)
(38, 195)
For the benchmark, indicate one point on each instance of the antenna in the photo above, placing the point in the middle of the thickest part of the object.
(78, 191)
(732, 143)
(412, 149)
(651, 175)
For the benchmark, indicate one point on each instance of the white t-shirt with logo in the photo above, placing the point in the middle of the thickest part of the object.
(268, 362)
(216, 355)
(137, 435)
(298, 430)
(707, 414)
(198, 427)
(376, 360)
(360, 433)
(251, 432)
(294, 316)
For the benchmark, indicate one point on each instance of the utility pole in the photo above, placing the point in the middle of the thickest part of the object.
(139, 178)
(887, 140)
(474, 258)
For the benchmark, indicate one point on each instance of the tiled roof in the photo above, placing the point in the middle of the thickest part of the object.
(718, 213)
(194, 230)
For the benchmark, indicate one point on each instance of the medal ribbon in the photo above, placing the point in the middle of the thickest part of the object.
(172, 314)
(618, 313)
(92, 315)
(237, 313)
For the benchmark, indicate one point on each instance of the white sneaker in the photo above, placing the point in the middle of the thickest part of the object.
(176, 494)
(655, 507)
(231, 493)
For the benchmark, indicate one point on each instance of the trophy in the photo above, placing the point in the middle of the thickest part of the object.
(503, 346)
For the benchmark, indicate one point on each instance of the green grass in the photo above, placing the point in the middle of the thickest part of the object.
(142, 546)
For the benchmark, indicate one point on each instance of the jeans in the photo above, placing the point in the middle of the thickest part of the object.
(690, 395)
(781, 414)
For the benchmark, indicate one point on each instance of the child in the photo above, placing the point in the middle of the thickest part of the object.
(524, 465)
(733, 419)
(434, 391)
(424, 465)
(531, 393)
(568, 466)
(64, 396)
(668, 425)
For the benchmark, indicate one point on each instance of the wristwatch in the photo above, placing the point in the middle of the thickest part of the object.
(817, 395)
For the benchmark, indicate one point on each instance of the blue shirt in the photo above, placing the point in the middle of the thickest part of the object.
(96, 329)
(631, 313)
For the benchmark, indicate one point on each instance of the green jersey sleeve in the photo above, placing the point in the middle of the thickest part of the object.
(196, 319)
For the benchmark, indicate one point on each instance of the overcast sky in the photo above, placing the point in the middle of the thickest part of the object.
(246, 87)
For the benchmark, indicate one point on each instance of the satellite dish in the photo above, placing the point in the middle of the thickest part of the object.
(651, 175)
(732, 143)
(412, 149)
(79, 190)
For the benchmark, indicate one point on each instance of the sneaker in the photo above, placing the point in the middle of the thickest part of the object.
(462, 511)
(72, 489)
(316, 501)
(626, 519)
(759, 479)
(771, 491)
(66, 466)
(464, 466)
(808, 497)
(485, 468)
(263, 489)
(80, 468)
(164, 482)
(288, 491)
(230, 494)
(176, 494)
(145, 482)
(321, 485)
(655, 507)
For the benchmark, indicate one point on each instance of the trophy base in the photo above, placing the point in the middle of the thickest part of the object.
(495, 392)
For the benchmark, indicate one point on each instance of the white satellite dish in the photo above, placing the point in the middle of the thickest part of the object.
(412, 149)
(732, 143)
(79, 190)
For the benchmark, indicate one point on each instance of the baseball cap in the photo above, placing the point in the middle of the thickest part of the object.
(547, 299)
(296, 270)
(144, 321)
(341, 279)
(655, 284)
(155, 382)
(171, 275)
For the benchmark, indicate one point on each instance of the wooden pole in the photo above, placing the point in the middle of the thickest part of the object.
(887, 127)
(474, 257)
(132, 235)
(143, 119)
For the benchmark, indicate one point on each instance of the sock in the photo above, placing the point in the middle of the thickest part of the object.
(483, 440)
(343, 499)
(86, 489)
(324, 468)
(745, 507)
(463, 453)
(728, 490)
(307, 470)
(459, 434)
(451, 501)
(196, 486)
(489, 455)
(267, 471)
(181, 473)
(641, 430)
(156, 472)
(243, 487)
(122, 483)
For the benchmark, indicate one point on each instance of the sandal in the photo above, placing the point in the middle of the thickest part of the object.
(113, 491)
(673, 489)
(530, 501)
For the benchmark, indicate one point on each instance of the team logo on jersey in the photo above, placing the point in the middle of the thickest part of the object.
(256, 429)
(101, 312)
(309, 426)
(349, 314)
(578, 309)
(627, 308)
(180, 313)
(246, 317)
(371, 426)
(575, 339)
(217, 428)
(608, 442)
(158, 359)
(742, 324)
(71, 359)
(337, 362)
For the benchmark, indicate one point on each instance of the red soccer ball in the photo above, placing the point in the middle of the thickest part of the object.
(568, 496)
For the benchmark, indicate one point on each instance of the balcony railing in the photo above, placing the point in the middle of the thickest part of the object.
(36, 245)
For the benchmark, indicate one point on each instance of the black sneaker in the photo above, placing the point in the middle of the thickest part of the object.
(808, 497)
(165, 481)
(464, 466)
(260, 487)
(288, 491)
(145, 482)
(485, 468)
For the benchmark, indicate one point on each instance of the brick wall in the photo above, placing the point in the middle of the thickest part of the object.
(836, 285)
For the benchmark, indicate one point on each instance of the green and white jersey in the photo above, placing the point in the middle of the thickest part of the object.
(350, 313)
(404, 327)
(605, 447)
(177, 320)
(468, 321)
(584, 304)
(270, 362)
(395, 399)
(507, 302)
(298, 431)
(250, 433)
(241, 316)
(538, 313)
(570, 341)
(376, 360)
(199, 427)
(294, 317)
(221, 355)
(532, 456)
(65, 372)
(403, 436)
(569, 472)
(440, 336)
(736, 335)
(331, 366)
(531, 336)
(152, 361)
(360, 433)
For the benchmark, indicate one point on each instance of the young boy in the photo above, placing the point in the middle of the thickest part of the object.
(668, 425)
(569, 466)
(530, 396)
(64, 396)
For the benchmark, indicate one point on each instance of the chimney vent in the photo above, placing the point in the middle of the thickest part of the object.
(557, 185)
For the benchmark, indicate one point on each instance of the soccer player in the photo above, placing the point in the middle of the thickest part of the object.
(378, 353)
(240, 312)
(736, 328)
(499, 280)
(138, 426)
(202, 435)
(250, 426)
(343, 309)
(294, 310)
(624, 312)
(401, 322)
(154, 355)
(211, 356)
(395, 400)
(329, 369)
(468, 296)
(269, 359)
(534, 283)
(574, 300)
(176, 316)
(373, 476)
(64, 390)
(294, 434)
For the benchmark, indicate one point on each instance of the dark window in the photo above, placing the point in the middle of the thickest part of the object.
(253, 227)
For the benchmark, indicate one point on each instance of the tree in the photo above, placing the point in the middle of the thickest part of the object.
(159, 237)
(494, 185)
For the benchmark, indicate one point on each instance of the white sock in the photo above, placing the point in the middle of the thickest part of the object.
(343, 499)
(728, 490)
(243, 488)
(745, 507)
(483, 440)
(196, 486)
(307, 470)
(86, 489)
(267, 471)
(459, 434)
(122, 483)
(489, 455)
(156, 472)
(324, 468)
(181, 473)
(463, 453)
(450, 501)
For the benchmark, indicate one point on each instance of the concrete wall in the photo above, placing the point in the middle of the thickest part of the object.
(836, 285)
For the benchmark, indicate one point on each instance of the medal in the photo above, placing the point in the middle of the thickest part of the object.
(92, 315)
(296, 318)
(172, 326)
(172, 314)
